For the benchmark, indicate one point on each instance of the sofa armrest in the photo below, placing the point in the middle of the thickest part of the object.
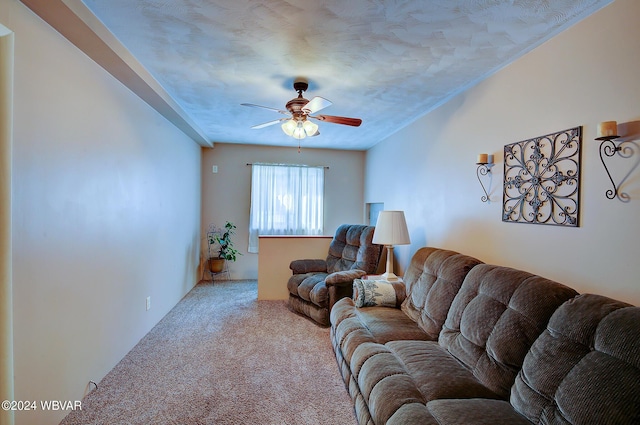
(308, 266)
(344, 277)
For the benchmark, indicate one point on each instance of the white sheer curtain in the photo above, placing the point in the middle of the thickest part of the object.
(285, 200)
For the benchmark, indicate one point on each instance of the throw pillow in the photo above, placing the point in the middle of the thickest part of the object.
(369, 293)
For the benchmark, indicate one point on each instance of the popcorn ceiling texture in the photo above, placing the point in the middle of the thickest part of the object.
(387, 62)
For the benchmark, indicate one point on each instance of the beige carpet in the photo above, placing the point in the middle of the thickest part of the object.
(223, 357)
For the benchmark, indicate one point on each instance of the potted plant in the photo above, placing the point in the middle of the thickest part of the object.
(226, 252)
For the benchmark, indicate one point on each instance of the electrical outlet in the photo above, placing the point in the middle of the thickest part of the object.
(214, 169)
(148, 303)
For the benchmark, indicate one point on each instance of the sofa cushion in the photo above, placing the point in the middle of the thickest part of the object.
(310, 287)
(475, 411)
(585, 367)
(412, 413)
(495, 318)
(436, 373)
(432, 280)
(352, 326)
(371, 293)
(408, 372)
(383, 381)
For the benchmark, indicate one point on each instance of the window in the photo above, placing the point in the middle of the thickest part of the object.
(285, 200)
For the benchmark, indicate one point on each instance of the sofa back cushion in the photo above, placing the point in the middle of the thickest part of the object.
(352, 247)
(585, 367)
(495, 318)
(432, 280)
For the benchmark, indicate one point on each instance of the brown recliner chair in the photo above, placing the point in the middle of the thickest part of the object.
(316, 285)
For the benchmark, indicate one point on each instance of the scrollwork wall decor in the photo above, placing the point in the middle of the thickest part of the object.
(484, 163)
(484, 170)
(611, 145)
(542, 179)
(625, 150)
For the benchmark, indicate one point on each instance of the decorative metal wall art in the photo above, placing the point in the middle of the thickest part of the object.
(542, 179)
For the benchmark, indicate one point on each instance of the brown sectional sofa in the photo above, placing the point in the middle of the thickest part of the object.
(473, 343)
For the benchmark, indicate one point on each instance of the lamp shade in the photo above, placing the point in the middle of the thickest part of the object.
(391, 229)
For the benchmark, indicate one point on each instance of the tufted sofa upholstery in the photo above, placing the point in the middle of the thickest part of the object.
(583, 369)
(432, 280)
(317, 284)
(496, 316)
(513, 348)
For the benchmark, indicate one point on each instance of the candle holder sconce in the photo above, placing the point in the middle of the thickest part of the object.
(609, 147)
(484, 162)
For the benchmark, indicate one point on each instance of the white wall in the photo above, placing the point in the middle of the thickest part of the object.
(106, 211)
(227, 194)
(585, 75)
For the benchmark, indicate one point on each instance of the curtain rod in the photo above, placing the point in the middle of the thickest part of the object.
(288, 165)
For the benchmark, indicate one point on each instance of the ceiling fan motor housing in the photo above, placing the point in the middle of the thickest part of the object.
(295, 105)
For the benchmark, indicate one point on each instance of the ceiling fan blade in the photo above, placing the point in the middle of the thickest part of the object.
(267, 124)
(315, 104)
(355, 122)
(265, 107)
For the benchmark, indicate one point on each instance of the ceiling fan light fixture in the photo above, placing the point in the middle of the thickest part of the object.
(299, 109)
(298, 132)
(289, 126)
(310, 128)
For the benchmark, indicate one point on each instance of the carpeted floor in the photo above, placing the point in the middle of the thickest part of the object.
(223, 357)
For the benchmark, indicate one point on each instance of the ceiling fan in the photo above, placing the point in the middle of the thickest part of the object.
(299, 110)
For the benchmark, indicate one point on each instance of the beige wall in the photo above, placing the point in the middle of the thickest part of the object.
(276, 253)
(6, 296)
(106, 207)
(227, 194)
(585, 75)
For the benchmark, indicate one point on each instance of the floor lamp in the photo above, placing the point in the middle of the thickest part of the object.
(391, 229)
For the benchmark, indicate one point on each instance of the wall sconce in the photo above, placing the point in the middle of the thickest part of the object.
(607, 133)
(484, 162)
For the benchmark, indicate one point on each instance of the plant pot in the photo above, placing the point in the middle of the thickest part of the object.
(216, 265)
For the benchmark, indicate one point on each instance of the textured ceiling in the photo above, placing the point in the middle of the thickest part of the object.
(385, 61)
